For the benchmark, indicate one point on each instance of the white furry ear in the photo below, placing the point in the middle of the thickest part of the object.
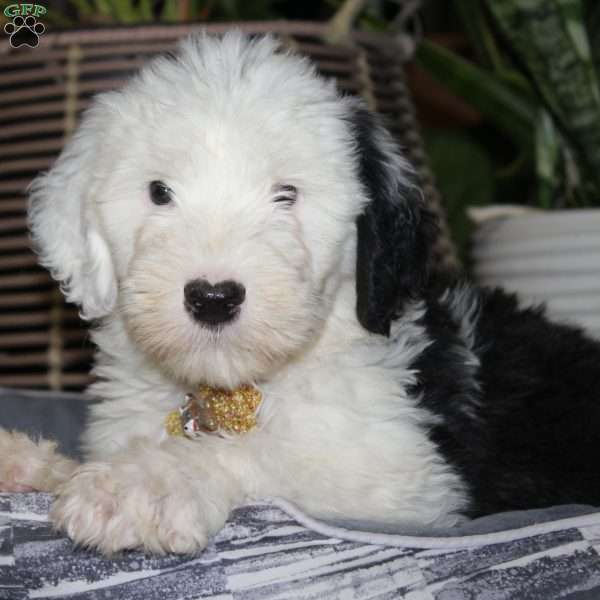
(64, 223)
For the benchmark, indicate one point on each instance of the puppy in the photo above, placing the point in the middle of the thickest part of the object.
(231, 223)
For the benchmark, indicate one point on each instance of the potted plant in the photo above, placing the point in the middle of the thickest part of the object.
(536, 81)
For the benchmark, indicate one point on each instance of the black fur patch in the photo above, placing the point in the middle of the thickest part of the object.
(394, 232)
(533, 439)
(449, 388)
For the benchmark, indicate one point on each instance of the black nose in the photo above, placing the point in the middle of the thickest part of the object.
(213, 304)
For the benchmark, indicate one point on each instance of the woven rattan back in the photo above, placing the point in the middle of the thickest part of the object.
(43, 343)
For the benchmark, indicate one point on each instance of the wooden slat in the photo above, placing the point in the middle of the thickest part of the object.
(58, 90)
(40, 359)
(24, 280)
(13, 224)
(57, 71)
(14, 149)
(37, 318)
(388, 106)
(41, 380)
(59, 54)
(13, 186)
(33, 127)
(12, 243)
(318, 50)
(34, 93)
(31, 109)
(37, 338)
(31, 298)
(25, 164)
(349, 85)
(12, 205)
(47, 72)
(328, 66)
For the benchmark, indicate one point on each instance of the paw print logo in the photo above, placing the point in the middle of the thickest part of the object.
(24, 31)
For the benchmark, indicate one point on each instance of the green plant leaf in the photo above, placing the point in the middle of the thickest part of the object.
(550, 40)
(199, 9)
(84, 8)
(465, 177)
(592, 21)
(103, 7)
(230, 8)
(511, 112)
(145, 10)
(169, 11)
(476, 26)
(547, 153)
(124, 11)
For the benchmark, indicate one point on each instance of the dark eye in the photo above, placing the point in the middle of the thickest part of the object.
(160, 193)
(286, 194)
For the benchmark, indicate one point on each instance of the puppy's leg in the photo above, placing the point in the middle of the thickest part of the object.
(163, 498)
(27, 465)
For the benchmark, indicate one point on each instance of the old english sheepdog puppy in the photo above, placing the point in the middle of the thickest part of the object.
(250, 243)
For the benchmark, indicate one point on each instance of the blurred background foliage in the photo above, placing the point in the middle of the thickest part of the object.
(85, 13)
(528, 132)
(507, 90)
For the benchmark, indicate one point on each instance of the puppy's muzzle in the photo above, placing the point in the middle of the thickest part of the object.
(213, 305)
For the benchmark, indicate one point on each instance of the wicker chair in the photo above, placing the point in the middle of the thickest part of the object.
(43, 343)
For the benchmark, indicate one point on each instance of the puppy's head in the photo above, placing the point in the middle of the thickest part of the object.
(217, 202)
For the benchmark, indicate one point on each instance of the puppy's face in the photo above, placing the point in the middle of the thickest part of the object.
(212, 204)
(227, 202)
(227, 236)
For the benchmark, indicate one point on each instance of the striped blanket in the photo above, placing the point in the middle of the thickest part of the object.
(271, 550)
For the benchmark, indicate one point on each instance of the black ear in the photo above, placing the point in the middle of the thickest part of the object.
(395, 231)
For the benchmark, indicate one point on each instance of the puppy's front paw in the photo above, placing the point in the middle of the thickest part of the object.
(120, 506)
(27, 465)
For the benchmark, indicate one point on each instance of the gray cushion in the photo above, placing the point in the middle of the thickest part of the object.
(57, 416)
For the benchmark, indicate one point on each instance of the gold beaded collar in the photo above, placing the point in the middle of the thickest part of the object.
(215, 410)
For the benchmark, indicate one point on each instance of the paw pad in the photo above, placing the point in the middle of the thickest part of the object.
(24, 31)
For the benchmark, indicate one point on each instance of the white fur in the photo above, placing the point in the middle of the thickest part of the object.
(338, 432)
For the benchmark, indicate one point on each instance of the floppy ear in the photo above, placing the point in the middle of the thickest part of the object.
(64, 223)
(395, 231)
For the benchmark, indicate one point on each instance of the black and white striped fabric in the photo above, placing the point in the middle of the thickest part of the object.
(270, 550)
